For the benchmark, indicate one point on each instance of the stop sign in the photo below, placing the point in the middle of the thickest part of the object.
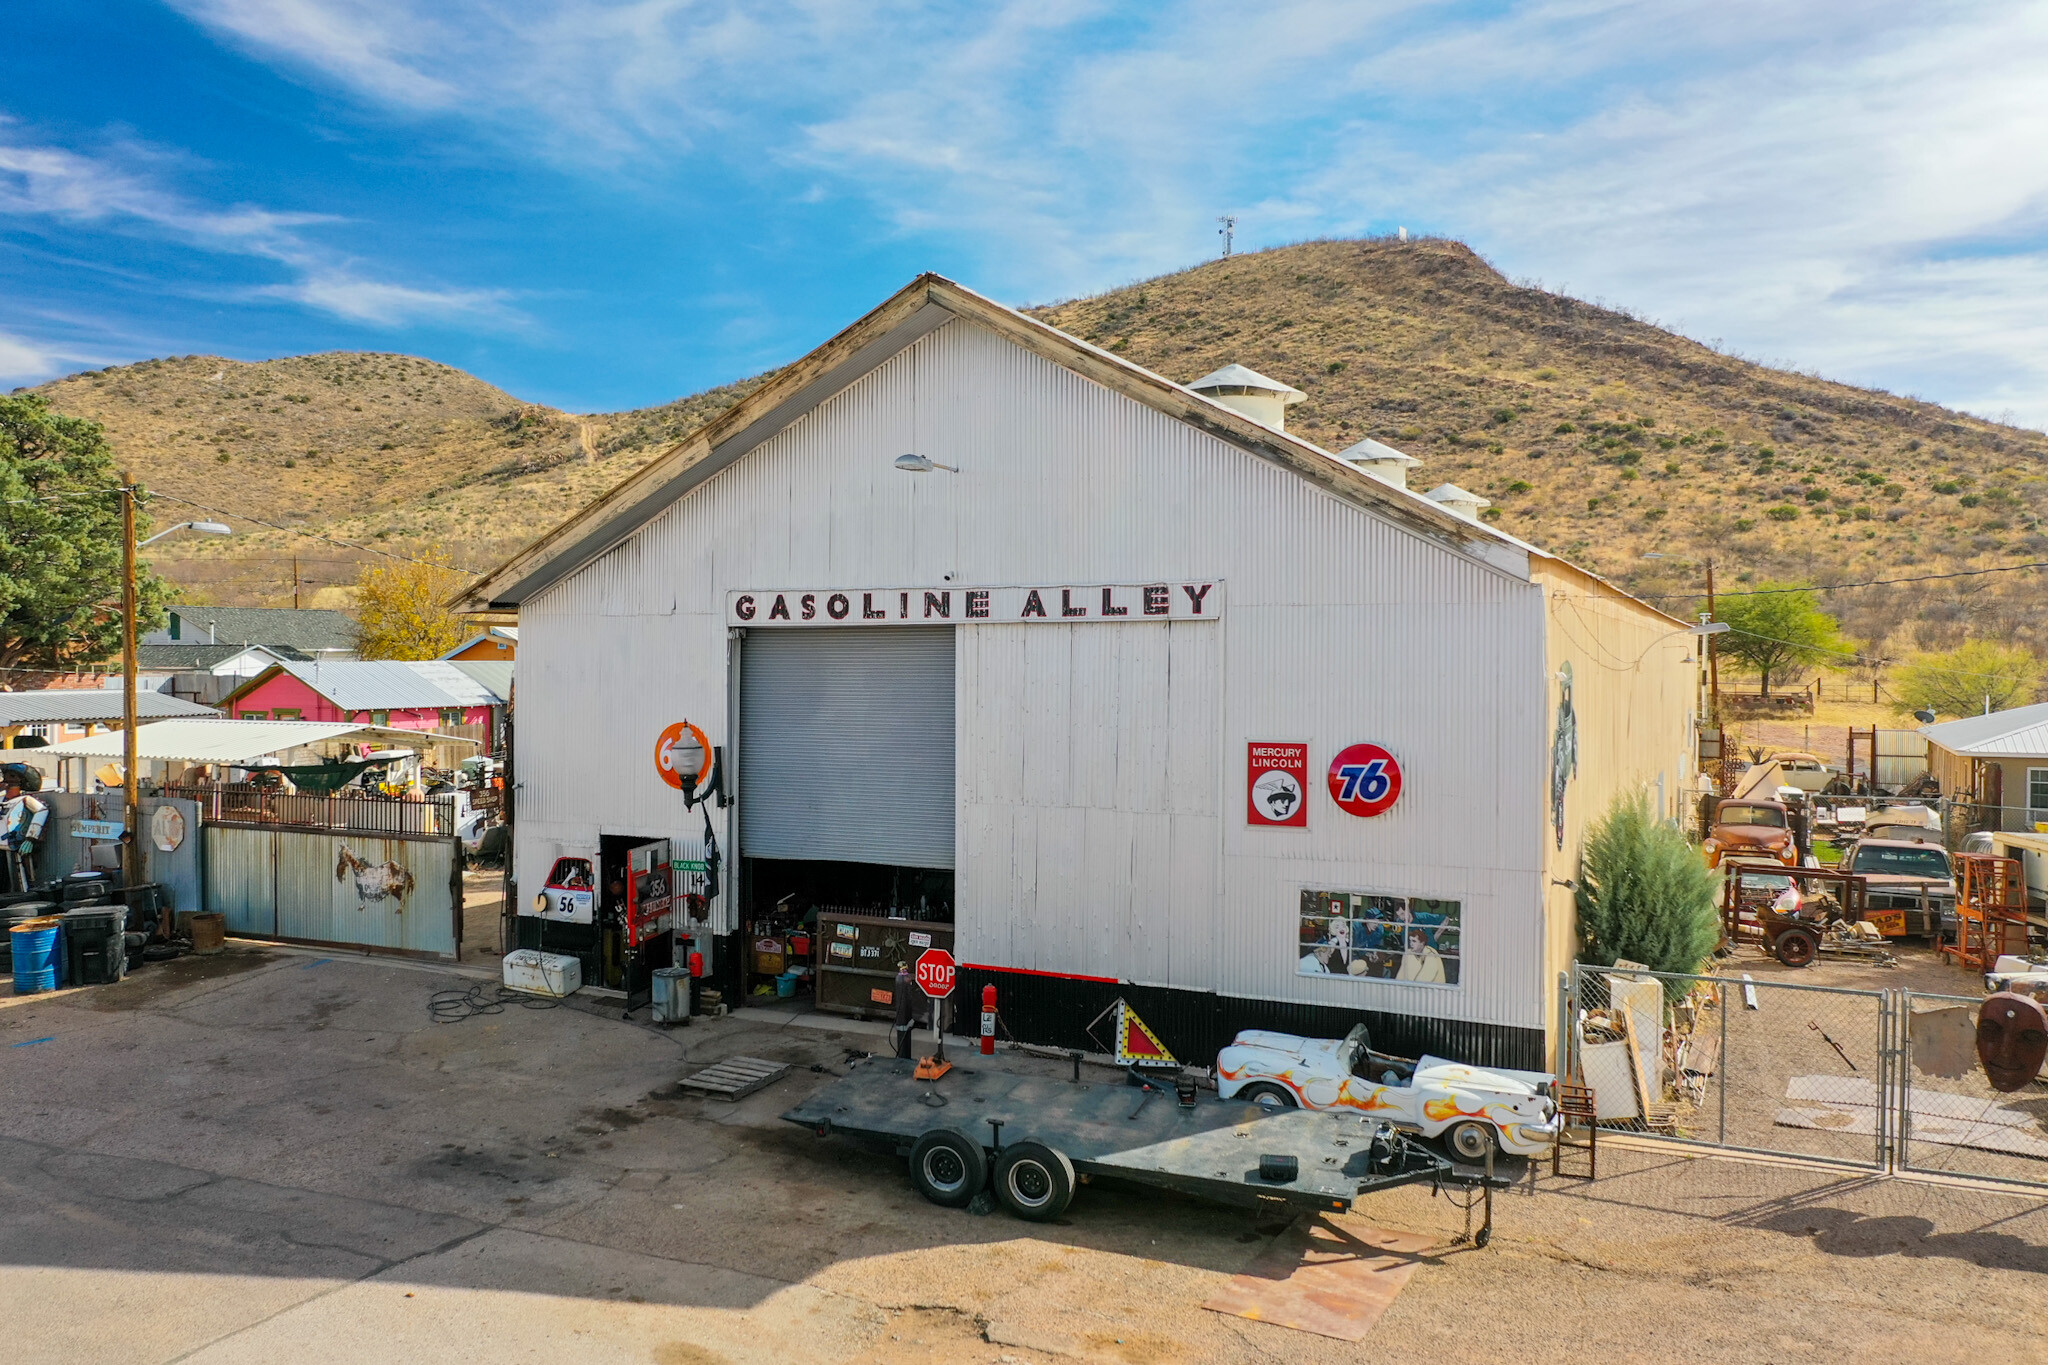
(935, 973)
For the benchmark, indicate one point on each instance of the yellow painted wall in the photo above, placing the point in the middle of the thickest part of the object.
(1636, 694)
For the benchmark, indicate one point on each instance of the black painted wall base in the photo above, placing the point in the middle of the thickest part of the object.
(1055, 1011)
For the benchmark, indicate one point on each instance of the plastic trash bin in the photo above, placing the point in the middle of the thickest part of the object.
(94, 951)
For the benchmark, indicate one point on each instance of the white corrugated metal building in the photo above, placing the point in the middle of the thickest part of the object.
(1048, 674)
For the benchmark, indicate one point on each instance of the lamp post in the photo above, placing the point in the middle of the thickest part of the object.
(130, 794)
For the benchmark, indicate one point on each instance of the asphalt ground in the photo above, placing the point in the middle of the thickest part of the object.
(277, 1155)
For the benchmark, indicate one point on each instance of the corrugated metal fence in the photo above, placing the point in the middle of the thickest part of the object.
(398, 894)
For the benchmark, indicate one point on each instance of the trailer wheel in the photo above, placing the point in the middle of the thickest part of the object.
(1266, 1095)
(1034, 1181)
(1796, 948)
(1470, 1140)
(948, 1168)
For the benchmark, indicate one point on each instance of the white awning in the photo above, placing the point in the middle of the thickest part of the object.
(91, 705)
(239, 741)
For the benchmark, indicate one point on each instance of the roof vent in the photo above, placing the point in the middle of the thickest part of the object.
(1381, 461)
(1263, 400)
(1456, 499)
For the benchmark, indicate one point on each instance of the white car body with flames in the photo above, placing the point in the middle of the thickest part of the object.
(1431, 1097)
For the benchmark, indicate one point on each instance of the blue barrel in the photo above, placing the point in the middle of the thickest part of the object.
(38, 951)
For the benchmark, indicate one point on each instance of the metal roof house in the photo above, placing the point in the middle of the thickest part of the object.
(424, 695)
(1999, 762)
(1124, 688)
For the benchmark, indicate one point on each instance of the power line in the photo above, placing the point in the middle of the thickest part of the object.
(315, 535)
(1833, 587)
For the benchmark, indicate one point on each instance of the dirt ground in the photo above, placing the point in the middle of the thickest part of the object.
(275, 1154)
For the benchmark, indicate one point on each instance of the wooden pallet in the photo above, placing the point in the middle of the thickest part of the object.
(735, 1077)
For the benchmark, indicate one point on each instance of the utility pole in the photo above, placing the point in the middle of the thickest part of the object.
(131, 810)
(1714, 691)
(295, 582)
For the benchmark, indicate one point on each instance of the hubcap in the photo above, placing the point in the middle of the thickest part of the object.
(1030, 1183)
(1470, 1140)
(944, 1170)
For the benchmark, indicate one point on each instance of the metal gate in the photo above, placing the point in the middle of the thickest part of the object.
(1885, 1079)
(343, 873)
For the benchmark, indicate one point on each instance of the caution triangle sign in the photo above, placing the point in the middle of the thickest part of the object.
(1137, 1044)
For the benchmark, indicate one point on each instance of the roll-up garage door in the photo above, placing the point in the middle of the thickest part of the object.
(846, 745)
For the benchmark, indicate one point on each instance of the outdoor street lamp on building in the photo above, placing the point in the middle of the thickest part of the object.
(130, 796)
(921, 464)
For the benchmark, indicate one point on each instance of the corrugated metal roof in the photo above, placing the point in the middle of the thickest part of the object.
(2021, 732)
(494, 675)
(239, 741)
(385, 684)
(79, 705)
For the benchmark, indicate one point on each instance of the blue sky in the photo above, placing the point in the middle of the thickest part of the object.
(609, 203)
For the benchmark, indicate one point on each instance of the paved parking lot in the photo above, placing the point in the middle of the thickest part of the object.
(273, 1155)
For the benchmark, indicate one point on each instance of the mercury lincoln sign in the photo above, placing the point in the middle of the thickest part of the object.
(1068, 604)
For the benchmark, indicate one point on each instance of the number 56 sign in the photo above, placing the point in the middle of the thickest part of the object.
(1365, 779)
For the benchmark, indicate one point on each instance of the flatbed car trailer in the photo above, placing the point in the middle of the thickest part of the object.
(1032, 1138)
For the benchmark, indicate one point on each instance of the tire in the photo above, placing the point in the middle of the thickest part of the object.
(1470, 1140)
(1266, 1095)
(1034, 1181)
(948, 1168)
(1796, 948)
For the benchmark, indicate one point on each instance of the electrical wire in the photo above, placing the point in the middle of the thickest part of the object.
(485, 997)
(313, 535)
(1837, 587)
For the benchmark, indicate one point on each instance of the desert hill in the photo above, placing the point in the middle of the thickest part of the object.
(1596, 434)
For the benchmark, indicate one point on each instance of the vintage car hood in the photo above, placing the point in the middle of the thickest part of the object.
(1323, 1050)
(1435, 1071)
(1759, 836)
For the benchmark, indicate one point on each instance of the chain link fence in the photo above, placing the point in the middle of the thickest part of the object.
(1951, 1120)
(1760, 1066)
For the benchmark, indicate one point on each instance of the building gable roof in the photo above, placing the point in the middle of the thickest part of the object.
(915, 311)
(309, 629)
(382, 684)
(2021, 732)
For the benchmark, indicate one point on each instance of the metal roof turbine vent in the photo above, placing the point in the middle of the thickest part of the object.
(1381, 461)
(1456, 499)
(1263, 400)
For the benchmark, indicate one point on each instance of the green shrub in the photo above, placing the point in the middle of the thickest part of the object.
(1645, 894)
(1784, 511)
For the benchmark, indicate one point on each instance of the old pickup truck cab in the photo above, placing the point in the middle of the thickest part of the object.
(1751, 829)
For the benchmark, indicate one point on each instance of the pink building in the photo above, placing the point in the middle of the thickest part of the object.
(405, 695)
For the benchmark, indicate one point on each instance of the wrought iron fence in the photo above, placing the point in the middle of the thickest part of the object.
(346, 814)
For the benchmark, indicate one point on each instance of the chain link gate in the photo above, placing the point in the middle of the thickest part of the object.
(1951, 1120)
(1756, 1066)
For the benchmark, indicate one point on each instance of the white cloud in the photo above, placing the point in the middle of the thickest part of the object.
(40, 181)
(1857, 191)
(25, 360)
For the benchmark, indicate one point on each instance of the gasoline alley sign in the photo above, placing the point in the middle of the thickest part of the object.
(1069, 605)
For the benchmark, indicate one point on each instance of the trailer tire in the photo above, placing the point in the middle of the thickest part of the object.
(1796, 948)
(1034, 1181)
(1266, 1095)
(948, 1168)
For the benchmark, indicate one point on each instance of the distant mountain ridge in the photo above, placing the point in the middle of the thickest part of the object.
(1635, 451)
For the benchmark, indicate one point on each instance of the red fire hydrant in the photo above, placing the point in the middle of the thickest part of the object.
(988, 1021)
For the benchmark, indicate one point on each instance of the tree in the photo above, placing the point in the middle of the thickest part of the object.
(1645, 894)
(60, 541)
(1957, 682)
(400, 611)
(1778, 626)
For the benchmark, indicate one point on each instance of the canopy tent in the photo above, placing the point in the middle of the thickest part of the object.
(240, 743)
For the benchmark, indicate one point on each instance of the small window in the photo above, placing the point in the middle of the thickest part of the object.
(286, 713)
(450, 717)
(571, 874)
(380, 718)
(255, 715)
(2037, 796)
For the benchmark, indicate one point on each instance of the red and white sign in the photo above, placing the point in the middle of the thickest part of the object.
(1276, 784)
(1365, 780)
(935, 969)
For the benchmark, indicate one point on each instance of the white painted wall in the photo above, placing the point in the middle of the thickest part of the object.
(1100, 768)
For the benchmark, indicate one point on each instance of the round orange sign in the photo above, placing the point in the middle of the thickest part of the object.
(683, 754)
